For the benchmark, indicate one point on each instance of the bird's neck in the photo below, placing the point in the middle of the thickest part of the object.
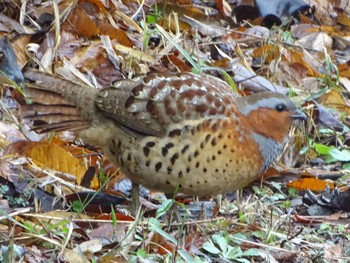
(269, 148)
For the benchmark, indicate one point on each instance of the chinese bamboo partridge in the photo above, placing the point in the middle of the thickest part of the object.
(170, 131)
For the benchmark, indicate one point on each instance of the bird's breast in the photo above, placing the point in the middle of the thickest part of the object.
(197, 157)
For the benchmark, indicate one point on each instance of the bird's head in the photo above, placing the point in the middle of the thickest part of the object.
(270, 114)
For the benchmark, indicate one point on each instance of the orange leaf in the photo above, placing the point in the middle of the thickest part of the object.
(269, 52)
(79, 22)
(344, 69)
(313, 184)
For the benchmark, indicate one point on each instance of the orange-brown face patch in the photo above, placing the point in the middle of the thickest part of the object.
(269, 123)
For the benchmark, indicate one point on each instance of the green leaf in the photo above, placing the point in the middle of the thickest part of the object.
(242, 260)
(141, 253)
(114, 217)
(77, 206)
(234, 253)
(221, 241)
(277, 197)
(165, 206)
(324, 226)
(322, 149)
(151, 19)
(186, 256)
(209, 246)
(292, 191)
(346, 166)
(239, 236)
(343, 156)
(242, 217)
(155, 226)
(252, 252)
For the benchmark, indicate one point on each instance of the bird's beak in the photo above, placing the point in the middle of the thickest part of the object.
(299, 115)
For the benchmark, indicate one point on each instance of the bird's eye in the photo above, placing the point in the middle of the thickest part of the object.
(281, 107)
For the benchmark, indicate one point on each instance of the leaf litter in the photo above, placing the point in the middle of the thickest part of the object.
(60, 200)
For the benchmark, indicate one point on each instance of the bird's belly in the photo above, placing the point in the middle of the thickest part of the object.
(205, 161)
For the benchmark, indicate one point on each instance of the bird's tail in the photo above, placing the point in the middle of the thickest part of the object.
(55, 104)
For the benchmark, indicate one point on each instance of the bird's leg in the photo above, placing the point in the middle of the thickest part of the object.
(135, 198)
(174, 212)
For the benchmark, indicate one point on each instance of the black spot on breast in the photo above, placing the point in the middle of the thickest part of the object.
(189, 158)
(213, 141)
(119, 144)
(215, 126)
(169, 145)
(196, 153)
(225, 146)
(150, 144)
(207, 138)
(180, 174)
(216, 170)
(202, 145)
(224, 171)
(158, 166)
(180, 185)
(164, 151)
(213, 157)
(187, 127)
(167, 182)
(197, 164)
(169, 169)
(146, 151)
(129, 157)
(185, 149)
(148, 163)
(188, 169)
(205, 170)
(174, 158)
(173, 133)
(219, 152)
(220, 136)
(191, 185)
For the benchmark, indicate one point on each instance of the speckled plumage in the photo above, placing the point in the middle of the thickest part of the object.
(172, 131)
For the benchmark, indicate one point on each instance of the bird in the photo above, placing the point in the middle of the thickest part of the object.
(171, 132)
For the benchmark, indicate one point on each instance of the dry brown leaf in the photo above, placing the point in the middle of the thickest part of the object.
(334, 99)
(66, 159)
(159, 244)
(343, 19)
(53, 156)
